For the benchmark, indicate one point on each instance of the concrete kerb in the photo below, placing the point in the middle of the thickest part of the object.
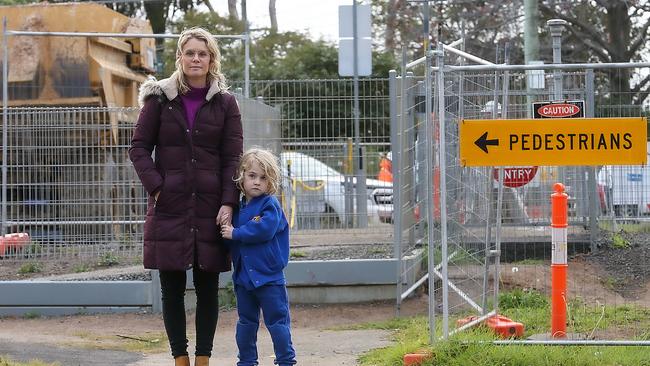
(314, 281)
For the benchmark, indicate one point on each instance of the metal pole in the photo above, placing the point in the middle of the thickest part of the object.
(247, 62)
(246, 49)
(591, 171)
(531, 44)
(5, 128)
(426, 16)
(429, 197)
(395, 133)
(442, 152)
(499, 216)
(360, 186)
(556, 27)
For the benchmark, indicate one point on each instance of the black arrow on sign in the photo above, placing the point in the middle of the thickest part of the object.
(483, 142)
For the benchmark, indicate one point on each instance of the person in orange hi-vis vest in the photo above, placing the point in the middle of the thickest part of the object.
(385, 168)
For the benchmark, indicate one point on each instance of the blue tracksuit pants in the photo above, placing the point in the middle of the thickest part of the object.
(272, 300)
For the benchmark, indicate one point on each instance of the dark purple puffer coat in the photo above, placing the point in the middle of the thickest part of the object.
(193, 170)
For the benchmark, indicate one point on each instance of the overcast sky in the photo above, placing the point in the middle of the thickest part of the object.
(318, 17)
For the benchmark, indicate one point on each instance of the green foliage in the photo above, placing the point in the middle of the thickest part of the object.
(619, 242)
(31, 267)
(81, 267)
(297, 254)
(522, 299)
(8, 362)
(108, 259)
(643, 227)
(274, 56)
(227, 298)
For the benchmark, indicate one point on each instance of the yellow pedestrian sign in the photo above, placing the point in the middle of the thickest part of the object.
(553, 141)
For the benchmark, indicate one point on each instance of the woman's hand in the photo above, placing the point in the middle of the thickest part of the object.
(226, 231)
(224, 217)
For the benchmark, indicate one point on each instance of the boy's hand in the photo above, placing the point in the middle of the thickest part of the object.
(226, 231)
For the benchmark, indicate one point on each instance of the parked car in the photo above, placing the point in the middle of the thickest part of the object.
(321, 190)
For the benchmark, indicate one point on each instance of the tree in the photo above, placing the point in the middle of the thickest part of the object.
(232, 9)
(274, 16)
(608, 31)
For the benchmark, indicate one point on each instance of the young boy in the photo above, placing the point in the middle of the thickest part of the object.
(260, 251)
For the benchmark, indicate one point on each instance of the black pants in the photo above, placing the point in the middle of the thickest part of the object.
(206, 285)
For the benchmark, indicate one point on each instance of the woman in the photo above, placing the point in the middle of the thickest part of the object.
(195, 127)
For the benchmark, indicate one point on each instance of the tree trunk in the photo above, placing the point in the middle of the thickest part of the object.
(618, 26)
(391, 25)
(157, 15)
(274, 17)
(232, 9)
(209, 5)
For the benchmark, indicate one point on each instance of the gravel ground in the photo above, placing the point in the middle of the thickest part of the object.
(625, 257)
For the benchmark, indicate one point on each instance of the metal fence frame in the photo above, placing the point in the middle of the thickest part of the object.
(436, 92)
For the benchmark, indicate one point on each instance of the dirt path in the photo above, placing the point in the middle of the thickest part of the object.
(94, 340)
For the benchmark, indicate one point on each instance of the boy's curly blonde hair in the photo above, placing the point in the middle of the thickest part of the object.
(267, 161)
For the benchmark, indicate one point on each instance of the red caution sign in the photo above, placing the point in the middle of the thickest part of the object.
(562, 109)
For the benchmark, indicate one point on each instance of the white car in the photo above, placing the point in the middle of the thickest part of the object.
(313, 189)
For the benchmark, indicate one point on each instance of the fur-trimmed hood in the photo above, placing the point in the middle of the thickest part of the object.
(168, 86)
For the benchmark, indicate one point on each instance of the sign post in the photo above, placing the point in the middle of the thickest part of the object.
(355, 59)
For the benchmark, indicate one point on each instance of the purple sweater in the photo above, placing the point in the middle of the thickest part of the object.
(192, 100)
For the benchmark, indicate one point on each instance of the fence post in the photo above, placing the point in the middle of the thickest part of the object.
(156, 295)
(559, 265)
(5, 128)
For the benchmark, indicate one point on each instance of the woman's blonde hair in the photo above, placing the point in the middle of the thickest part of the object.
(214, 70)
(267, 161)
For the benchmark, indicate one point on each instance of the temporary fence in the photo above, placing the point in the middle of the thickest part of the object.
(470, 221)
(66, 177)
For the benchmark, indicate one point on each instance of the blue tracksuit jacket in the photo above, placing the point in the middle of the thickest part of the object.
(260, 242)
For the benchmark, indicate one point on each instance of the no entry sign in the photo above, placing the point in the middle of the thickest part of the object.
(517, 176)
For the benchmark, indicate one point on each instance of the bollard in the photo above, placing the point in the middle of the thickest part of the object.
(559, 266)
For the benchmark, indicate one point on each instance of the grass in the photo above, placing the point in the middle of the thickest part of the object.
(81, 267)
(152, 342)
(142, 343)
(297, 254)
(474, 347)
(531, 262)
(108, 259)
(629, 228)
(4, 361)
(30, 267)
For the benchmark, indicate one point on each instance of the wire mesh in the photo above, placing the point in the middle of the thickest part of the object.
(601, 302)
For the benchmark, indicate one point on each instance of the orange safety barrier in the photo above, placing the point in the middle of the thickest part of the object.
(501, 325)
(559, 264)
(415, 359)
(13, 242)
(505, 327)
